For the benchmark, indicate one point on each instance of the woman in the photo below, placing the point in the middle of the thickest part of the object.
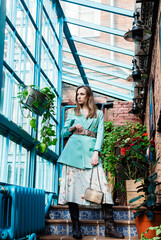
(85, 124)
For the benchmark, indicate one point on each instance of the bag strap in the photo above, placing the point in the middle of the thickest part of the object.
(98, 178)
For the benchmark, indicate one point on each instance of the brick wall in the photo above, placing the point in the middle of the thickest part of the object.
(155, 75)
(121, 113)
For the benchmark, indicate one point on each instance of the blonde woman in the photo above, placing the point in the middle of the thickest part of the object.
(85, 126)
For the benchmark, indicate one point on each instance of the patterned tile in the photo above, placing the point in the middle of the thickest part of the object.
(92, 215)
(59, 214)
(89, 230)
(56, 229)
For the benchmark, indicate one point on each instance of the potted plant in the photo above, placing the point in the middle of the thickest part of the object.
(152, 233)
(41, 102)
(123, 138)
(148, 213)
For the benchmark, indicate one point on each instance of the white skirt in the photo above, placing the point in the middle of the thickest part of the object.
(74, 182)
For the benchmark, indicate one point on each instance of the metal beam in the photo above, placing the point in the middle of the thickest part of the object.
(100, 70)
(100, 59)
(71, 42)
(102, 7)
(101, 90)
(103, 46)
(106, 81)
(95, 27)
(2, 37)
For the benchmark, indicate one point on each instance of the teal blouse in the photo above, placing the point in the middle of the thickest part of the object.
(80, 148)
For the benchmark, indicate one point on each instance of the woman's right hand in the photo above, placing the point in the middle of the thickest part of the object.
(79, 127)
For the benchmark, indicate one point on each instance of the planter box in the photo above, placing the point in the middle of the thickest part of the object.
(131, 192)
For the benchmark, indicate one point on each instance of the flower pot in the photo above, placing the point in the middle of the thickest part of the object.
(142, 223)
(131, 192)
(34, 96)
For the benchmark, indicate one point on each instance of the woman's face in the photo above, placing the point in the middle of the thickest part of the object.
(82, 96)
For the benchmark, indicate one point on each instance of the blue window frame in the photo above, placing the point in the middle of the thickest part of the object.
(32, 54)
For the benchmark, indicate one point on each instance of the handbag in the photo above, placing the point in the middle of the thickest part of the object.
(93, 195)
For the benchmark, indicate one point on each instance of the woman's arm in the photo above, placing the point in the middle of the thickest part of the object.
(99, 139)
(67, 129)
(100, 132)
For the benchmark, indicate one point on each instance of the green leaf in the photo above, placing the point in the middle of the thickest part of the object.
(36, 103)
(136, 198)
(155, 163)
(24, 93)
(152, 187)
(151, 200)
(150, 214)
(33, 123)
(42, 147)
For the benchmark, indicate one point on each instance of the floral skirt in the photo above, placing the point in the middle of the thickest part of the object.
(74, 182)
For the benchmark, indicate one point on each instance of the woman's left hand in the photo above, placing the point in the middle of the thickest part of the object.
(95, 158)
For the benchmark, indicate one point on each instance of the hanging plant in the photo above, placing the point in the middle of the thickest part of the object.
(40, 102)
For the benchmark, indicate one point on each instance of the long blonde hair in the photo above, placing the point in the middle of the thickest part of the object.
(90, 103)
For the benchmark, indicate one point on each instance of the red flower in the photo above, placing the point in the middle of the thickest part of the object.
(123, 151)
(145, 134)
(131, 144)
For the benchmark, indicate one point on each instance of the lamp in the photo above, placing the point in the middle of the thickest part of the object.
(134, 109)
(139, 101)
(139, 32)
(136, 74)
(139, 88)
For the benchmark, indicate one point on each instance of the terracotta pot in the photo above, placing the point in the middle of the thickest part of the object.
(142, 223)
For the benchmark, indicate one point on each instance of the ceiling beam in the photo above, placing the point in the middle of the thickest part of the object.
(101, 59)
(95, 27)
(102, 7)
(100, 70)
(101, 90)
(106, 81)
(103, 46)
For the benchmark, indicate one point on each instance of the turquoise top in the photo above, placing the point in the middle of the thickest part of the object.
(80, 148)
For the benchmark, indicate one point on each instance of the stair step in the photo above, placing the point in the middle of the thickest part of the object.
(89, 227)
(92, 221)
(62, 237)
(68, 221)
(119, 212)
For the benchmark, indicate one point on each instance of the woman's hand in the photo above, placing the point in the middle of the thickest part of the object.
(95, 158)
(79, 127)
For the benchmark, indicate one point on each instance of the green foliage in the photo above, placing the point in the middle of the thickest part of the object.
(47, 133)
(124, 137)
(158, 232)
(148, 187)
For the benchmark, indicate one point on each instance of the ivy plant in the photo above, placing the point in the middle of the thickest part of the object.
(47, 133)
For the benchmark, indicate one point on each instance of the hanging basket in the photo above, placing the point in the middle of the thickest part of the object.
(35, 101)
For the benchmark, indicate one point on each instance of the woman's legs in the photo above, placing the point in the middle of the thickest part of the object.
(110, 229)
(74, 214)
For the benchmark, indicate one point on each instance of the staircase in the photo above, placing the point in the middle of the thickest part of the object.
(59, 225)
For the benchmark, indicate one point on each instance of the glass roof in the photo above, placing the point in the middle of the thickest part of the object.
(105, 58)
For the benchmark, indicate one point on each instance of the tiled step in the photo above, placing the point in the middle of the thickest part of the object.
(92, 223)
(61, 237)
(89, 227)
(119, 213)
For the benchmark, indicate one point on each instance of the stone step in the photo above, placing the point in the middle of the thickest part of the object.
(89, 227)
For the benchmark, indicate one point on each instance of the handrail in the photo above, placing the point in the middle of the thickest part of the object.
(50, 197)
